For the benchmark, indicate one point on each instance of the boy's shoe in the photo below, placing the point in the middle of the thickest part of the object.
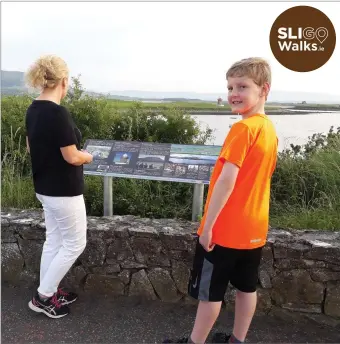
(65, 298)
(220, 337)
(50, 307)
(178, 340)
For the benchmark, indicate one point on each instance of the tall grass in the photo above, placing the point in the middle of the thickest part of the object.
(306, 185)
(16, 183)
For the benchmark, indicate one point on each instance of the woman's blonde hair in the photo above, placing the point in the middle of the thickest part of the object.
(47, 72)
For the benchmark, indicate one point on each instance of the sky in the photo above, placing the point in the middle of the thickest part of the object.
(156, 46)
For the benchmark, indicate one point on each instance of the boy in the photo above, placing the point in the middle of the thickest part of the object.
(235, 223)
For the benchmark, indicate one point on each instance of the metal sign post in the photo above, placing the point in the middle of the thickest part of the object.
(197, 202)
(108, 204)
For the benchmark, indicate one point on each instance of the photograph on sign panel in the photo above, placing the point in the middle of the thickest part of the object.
(140, 165)
(192, 171)
(191, 159)
(203, 172)
(103, 168)
(169, 170)
(151, 158)
(147, 168)
(195, 149)
(180, 171)
(192, 168)
(99, 152)
(122, 158)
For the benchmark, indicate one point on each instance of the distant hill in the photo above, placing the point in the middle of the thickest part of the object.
(12, 82)
(12, 79)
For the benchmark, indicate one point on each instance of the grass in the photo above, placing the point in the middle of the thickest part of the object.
(313, 218)
(16, 187)
(194, 106)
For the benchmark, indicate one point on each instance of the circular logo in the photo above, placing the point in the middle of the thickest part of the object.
(302, 38)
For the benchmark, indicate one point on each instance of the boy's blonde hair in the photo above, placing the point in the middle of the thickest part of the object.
(46, 72)
(255, 68)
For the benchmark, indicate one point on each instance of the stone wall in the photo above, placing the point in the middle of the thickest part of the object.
(126, 255)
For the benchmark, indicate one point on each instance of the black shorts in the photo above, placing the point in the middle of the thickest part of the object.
(212, 271)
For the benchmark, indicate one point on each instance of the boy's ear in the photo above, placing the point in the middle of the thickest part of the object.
(265, 90)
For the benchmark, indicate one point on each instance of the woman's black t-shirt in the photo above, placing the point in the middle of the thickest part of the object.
(49, 127)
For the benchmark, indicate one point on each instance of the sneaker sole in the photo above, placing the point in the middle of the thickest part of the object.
(39, 310)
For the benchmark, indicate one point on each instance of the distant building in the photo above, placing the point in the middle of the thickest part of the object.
(219, 102)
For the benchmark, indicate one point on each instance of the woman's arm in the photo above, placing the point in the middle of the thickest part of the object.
(75, 157)
(27, 145)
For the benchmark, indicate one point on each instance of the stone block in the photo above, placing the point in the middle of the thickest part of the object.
(181, 274)
(296, 286)
(12, 263)
(140, 286)
(163, 285)
(31, 251)
(94, 253)
(332, 302)
(111, 285)
(149, 251)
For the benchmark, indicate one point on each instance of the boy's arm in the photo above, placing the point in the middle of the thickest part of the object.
(224, 186)
(232, 156)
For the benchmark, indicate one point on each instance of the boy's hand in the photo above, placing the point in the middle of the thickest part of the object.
(205, 240)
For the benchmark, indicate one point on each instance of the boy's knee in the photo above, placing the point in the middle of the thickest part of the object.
(245, 295)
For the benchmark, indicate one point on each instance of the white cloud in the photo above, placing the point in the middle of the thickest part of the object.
(170, 46)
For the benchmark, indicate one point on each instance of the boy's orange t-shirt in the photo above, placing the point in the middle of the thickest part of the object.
(243, 222)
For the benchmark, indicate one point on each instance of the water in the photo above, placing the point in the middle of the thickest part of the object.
(293, 129)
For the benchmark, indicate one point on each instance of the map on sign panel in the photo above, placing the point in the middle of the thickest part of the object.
(149, 160)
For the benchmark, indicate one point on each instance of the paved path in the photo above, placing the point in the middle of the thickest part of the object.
(105, 320)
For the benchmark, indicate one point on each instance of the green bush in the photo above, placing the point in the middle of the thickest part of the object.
(305, 191)
(306, 184)
(98, 118)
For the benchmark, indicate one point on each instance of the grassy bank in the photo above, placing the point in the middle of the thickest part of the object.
(305, 188)
(184, 105)
(318, 107)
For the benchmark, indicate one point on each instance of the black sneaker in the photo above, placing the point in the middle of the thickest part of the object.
(179, 340)
(50, 307)
(65, 298)
(220, 337)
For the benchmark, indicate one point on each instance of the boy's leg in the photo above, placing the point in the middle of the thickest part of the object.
(245, 306)
(207, 313)
(244, 279)
(208, 282)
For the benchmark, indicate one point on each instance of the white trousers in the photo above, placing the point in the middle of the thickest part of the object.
(66, 229)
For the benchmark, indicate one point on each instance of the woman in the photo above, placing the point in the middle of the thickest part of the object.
(53, 141)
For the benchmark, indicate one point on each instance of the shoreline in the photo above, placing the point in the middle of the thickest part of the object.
(282, 112)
